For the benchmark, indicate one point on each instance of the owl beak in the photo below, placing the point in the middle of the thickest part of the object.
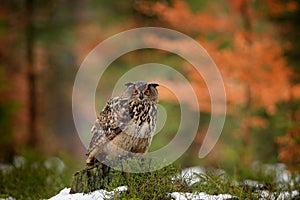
(141, 96)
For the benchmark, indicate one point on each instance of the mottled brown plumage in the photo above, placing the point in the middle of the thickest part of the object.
(127, 123)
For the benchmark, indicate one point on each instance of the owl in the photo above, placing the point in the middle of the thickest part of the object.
(127, 123)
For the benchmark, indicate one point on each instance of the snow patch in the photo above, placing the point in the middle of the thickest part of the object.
(8, 198)
(197, 196)
(55, 163)
(265, 194)
(19, 161)
(191, 175)
(97, 195)
(252, 183)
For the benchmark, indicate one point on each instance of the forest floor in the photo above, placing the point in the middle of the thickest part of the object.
(38, 178)
(205, 185)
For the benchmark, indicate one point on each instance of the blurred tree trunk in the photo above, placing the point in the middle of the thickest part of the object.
(31, 74)
(246, 129)
(246, 16)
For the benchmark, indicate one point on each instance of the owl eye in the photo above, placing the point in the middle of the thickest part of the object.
(135, 92)
(147, 92)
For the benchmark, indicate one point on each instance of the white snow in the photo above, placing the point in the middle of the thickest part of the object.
(19, 161)
(282, 175)
(96, 195)
(200, 195)
(8, 198)
(5, 168)
(252, 183)
(191, 175)
(287, 195)
(265, 194)
(55, 163)
(103, 194)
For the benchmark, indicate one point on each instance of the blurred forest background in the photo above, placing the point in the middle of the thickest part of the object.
(255, 44)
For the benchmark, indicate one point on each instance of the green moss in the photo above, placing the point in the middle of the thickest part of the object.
(32, 179)
(153, 185)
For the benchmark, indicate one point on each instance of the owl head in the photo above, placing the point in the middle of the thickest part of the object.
(141, 91)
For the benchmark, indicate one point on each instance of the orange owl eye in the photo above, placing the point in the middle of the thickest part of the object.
(147, 92)
(135, 91)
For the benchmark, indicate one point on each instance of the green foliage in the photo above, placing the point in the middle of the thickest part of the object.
(220, 183)
(263, 140)
(168, 132)
(153, 185)
(214, 184)
(33, 177)
(197, 6)
(159, 184)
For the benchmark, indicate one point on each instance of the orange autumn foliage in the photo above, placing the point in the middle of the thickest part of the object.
(253, 68)
(258, 67)
(289, 148)
(278, 7)
(181, 17)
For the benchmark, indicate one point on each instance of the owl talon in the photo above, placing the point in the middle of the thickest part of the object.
(90, 163)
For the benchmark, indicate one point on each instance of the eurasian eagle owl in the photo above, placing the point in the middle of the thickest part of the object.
(126, 124)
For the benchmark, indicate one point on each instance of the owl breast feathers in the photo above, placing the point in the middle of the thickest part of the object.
(127, 123)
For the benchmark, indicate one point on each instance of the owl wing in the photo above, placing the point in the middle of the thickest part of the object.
(111, 121)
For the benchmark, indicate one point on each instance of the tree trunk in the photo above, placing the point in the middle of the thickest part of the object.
(31, 74)
(246, 129)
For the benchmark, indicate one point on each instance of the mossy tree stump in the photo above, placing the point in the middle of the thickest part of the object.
(91, 179)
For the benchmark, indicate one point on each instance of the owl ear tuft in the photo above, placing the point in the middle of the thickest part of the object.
(154, 85)
(129, 84)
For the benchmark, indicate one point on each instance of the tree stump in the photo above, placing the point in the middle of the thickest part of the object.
(91, 179)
